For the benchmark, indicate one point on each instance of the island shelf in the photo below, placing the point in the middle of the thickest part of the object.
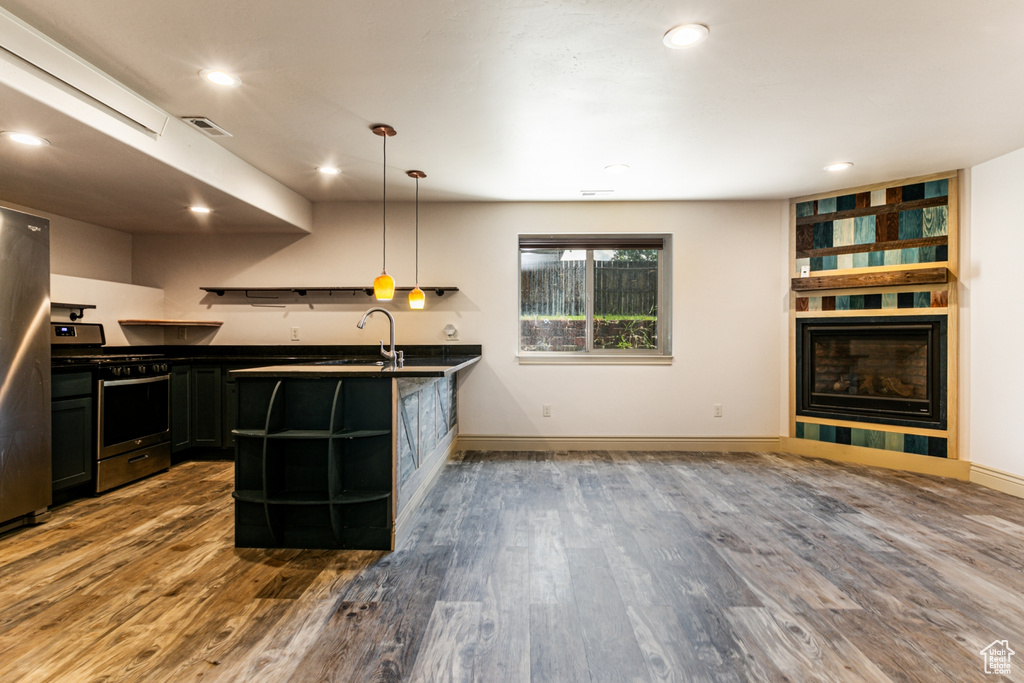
(313, 463)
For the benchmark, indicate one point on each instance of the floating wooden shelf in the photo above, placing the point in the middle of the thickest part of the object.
(171, 323)
(919, 276)
(74, 316)
(303, 291)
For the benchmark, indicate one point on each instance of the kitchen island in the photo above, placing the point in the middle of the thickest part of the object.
(338, 454)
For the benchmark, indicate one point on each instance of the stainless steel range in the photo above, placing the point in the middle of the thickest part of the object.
(132, 403)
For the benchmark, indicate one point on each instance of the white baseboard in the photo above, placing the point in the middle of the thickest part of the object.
(724, 444)
(998, 479)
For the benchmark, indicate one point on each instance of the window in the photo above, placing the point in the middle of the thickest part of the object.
(600, 297)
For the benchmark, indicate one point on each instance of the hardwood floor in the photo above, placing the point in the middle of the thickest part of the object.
(535, 567)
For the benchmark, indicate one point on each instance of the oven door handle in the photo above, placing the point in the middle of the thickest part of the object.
(140, 380)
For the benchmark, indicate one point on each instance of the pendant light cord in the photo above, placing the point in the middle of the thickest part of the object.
(384, 208)
(417, 231)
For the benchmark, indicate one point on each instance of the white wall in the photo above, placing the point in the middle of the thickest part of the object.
(729, 296)
(91, 264)
(992, 279)
(114, 301)
(86, 250)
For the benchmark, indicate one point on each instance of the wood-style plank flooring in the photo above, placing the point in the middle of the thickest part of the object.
(559, 567)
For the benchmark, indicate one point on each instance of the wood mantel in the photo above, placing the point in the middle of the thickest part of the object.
(919, 276)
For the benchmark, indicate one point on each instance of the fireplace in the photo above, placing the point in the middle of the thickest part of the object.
(888, 370)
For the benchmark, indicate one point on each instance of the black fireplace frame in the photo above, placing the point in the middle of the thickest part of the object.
(927, 413)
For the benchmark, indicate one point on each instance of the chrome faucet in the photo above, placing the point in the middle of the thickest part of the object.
(396, 357)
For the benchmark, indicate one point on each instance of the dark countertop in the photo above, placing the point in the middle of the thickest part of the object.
(417, 366)
(267, 355)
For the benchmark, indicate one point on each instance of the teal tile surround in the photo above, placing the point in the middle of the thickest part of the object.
(872, 302)
(916, 444)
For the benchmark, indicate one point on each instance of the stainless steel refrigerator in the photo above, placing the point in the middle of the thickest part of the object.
(25, 486)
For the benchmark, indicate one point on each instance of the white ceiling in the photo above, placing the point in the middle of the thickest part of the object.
(530, 99)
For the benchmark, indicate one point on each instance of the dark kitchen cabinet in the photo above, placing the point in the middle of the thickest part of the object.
(72, 421)
(181, 407)
(197, 407)
(207, 412)
(230, 420)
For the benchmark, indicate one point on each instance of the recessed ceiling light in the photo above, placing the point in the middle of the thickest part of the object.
(25, 138)
(200, 209)
(220, 77)
(617, 168)
(329, 170)
(686, 35)
(841, 166)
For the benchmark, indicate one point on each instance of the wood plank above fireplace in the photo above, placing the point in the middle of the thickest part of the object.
(917, 276)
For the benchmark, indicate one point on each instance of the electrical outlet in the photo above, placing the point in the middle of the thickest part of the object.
(182, 333)
(295, 334)
(718, 409)
(545, 411)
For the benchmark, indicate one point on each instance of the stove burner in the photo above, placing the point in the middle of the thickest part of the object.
(115, 366)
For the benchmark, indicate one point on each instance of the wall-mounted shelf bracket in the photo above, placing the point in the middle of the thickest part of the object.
(79, 307)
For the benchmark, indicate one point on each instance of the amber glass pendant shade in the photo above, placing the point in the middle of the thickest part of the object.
(384, 287)
(417, 299)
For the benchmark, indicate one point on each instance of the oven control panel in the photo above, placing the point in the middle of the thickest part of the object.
(77, 334)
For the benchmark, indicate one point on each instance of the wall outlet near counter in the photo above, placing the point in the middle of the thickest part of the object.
(717, 408)
(182, 333)
(545, 410)
(295, 334)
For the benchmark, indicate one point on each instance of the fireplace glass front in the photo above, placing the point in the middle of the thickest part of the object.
(873, 369)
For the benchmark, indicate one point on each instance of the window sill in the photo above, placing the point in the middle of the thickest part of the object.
(592, 359)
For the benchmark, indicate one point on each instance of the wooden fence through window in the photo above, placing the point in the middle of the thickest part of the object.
(621, 288)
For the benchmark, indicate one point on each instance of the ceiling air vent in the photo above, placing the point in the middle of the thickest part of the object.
(207, 126)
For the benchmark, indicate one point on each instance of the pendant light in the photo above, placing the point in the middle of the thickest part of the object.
(416, 296)
(384, 284)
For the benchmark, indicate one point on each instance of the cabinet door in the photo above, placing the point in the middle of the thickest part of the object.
(230, 408)
(72, 422)
(181, 407)
(207, 406)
